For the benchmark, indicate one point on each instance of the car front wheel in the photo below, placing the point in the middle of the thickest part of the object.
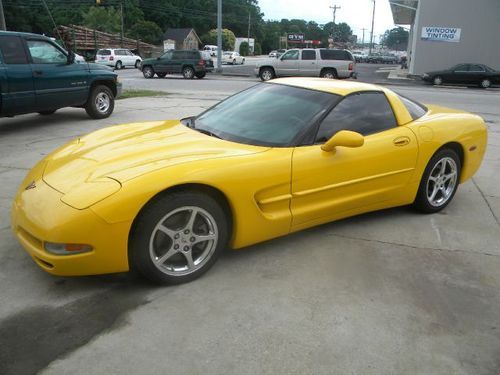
(439, 182)
(437, 81)
(100, 103)
(148, 72)
(178, 237)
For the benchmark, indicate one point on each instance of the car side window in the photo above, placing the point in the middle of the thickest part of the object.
(177, 55)
(365, 113)
(167, 55)
(291, 55)
(461, 68)
(476, 68)
(43, 52)
(13, 50)
(308, 54)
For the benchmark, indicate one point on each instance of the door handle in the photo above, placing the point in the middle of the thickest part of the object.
(401, 141)
(38, 72)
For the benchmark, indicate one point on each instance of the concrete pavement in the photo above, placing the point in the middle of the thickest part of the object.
(392, 292)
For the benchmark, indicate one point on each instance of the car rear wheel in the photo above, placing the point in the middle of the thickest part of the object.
(118, 65)
(188, 72)
(178, 237)
(242, 61)
(437, 80)
(266, 74)
(46, 113)
(201, 75)
(100, 103)
(439, 182)
(329, 73)
(137, 64)
(148, 72)
(485, 83)
(234, 61)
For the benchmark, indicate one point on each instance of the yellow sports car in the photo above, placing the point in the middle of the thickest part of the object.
(165, 198)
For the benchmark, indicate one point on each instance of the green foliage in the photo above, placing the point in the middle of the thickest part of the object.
(228, 39)
(244, 49)
(257, 49)
(146, 31)
(103, 19)
(396, 38)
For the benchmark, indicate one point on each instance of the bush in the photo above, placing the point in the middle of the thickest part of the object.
(244, 49)
(257, 49)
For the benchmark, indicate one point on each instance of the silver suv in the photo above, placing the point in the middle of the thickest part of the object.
(327, 63)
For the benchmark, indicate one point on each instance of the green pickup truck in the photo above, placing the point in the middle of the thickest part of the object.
(37, 75)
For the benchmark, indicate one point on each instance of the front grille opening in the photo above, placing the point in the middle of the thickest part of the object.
(43, 263)
(28, 237)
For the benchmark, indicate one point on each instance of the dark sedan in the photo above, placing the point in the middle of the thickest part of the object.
(469, 74)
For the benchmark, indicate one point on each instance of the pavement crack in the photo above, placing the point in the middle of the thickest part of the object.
(415, 247)
(487, 202)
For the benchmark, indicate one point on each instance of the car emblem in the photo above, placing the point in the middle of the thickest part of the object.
(32, 185)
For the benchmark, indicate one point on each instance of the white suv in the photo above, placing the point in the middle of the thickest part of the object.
(118, 58)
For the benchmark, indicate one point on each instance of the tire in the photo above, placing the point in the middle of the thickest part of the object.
(137, 64)
(47, 113)
(266, 74)
(242, 61)
(234, 61)
(148, 72)
(166, 228)
(485, 83)
(201, 75)
(161, 75)
(118, 65)
(100, 103)
(188, 72)
(329, 73)
(438, 81)
(438, 186)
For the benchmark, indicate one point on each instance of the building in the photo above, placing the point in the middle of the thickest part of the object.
(181, 39)
(447, 32)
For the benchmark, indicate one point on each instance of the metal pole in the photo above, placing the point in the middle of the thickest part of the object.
(2, 17)
(248, 35)
(121, 33)
(363, 43)
(219, 36)
(335, 7)
(371, 35)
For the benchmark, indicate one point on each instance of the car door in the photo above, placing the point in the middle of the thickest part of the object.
(175, 64)
(307, 64)
(18, 93)
(163, 63)
(475, 74)
(288, 64)
(327, 184)
(57, 83)
(459, 74)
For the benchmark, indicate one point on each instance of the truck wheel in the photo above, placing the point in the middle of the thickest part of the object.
(101, 102)
(329, 73)
(148, 72)
(46, 113)
(266, 74)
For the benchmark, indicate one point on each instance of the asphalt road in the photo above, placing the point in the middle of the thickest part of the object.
(392, 292)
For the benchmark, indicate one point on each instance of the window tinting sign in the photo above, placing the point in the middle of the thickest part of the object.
(295, 38)
(441, 34)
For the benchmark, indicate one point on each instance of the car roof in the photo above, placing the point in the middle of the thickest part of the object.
(332, 86)
(29, 35)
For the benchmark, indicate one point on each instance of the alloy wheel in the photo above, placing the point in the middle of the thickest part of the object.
(442, 181)
(102, 102)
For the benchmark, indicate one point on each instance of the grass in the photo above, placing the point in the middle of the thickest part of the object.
(127, 94)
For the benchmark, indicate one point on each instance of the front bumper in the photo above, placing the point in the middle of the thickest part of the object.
(39, 216)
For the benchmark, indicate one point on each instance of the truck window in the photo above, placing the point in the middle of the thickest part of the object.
(43, 52)
(13, 50)
(291, 55)
(332, 54)
(308, 54)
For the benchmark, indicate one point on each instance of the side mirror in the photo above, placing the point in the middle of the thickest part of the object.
(343, 138)
(70, 58)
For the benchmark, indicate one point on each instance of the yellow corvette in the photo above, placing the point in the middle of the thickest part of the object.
(165, 198)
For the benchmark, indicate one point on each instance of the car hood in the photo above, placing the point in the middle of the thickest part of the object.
(94, 67)
(120, 153)
(149, 61)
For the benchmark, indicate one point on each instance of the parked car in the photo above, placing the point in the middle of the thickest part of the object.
(469, 74)
(277, 53)
(327, 63)
(189, 63)
(232, 58)
(211, 49)
(360, 56)
(119, 58)
(167, 198)
(37, 75)
(390, 59)
(374, 58)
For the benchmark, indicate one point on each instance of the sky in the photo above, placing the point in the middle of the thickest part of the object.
(356, 13)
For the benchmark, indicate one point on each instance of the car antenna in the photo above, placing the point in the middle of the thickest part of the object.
(54, 23)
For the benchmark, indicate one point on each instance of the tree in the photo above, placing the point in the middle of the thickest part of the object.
(396, 38)
(146, 31)
(228, 39)
(244, 49)
(104, 19)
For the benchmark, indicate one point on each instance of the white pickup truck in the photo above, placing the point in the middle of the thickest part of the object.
(321, 62)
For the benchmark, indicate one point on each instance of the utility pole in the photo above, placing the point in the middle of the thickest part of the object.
(371, 35)
(248, 35)
(364, 29)
(219, 36)
(335, 7)
(2, 17)
(121, 33)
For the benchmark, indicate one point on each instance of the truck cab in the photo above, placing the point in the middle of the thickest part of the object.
(37, 75)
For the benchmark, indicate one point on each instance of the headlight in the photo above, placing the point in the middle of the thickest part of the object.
(66, 248)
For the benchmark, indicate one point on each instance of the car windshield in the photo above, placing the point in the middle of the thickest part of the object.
(266, 114)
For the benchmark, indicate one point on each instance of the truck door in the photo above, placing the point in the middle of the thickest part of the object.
(16, 86)
(288, 64)
(307, 64)
(57, 83)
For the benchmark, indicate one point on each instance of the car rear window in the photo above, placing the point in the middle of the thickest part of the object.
(335, 54)
(105, 52)
(415, 109)
(13, 50)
